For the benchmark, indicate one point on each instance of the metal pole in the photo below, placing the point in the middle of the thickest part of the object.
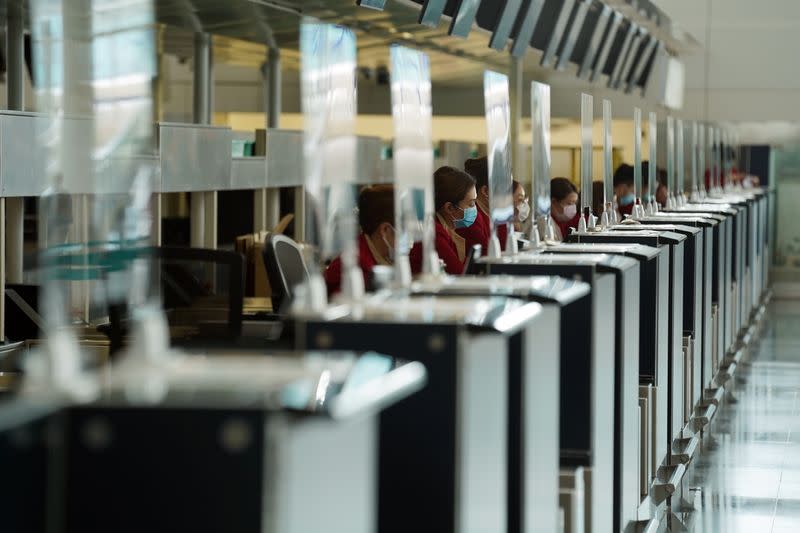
(274, 97)
(15, 57)
(200, 115)
(267, 201)
(202, 73)
(15, 80)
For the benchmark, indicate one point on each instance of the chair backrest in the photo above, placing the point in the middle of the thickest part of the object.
(189, 275)
(286, 269)
(471, 264)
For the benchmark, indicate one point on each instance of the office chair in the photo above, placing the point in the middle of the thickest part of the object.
(176, 268)
(471, 265)
(286, 269)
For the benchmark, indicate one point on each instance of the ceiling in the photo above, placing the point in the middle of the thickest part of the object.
(240, 26)
(244, 29)
(454, 60)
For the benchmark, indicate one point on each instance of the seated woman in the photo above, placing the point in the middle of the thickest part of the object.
(623, 189)
(563, 207)
(455, 201)
(661, 187)
(376, 240)
(522, 209)
(478, 233)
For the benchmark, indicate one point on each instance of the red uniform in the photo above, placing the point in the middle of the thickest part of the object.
(626, 209)
(479, 231)
(367, 261)
(563, 227)
(448, 249)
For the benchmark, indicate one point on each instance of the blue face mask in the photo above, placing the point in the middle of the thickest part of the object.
(470, 214)
(628, 199)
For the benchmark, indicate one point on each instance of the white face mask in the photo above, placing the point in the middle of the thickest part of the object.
(569, 213)
(523, 211)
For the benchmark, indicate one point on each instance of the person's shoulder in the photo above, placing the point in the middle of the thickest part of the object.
(440, 229)
(362, 242)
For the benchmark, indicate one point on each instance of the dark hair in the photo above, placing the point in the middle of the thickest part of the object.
(661, 176)
(514, 186)
(450, 185)
(478, 168)
(560, 188)
(597, 197)
(375, 206)
(623, 175)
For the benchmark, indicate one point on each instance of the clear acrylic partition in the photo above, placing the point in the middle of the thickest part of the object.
(652, 167)
(587, 124)
(693, 143)
(718, 160)
(328, 76)
(709, 150)
(608, 166)
(637, 153)
(726, 161)
(670, 159)
(540, 126)
(498, 143)
(680, 162)
(94, 63)
(702, 152)
(413, 160)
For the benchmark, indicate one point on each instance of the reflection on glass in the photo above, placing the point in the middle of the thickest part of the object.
(652, 124)
(587, 123)
(498, 143)
(608, 161)
(693, 154)
(540, 160)
(329, 147)
(413, 158)
(670, 156)
(637, 153)
(94, 62)
(679, 159)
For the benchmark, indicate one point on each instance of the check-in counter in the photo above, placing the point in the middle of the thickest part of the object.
(570, 301)
(250, 443)
(679, 360)
(590, 383)
(745, 252)
(712, 285)
(653, 353)
(732, 227)
(445, 452)
(693, 287)
(754, 201)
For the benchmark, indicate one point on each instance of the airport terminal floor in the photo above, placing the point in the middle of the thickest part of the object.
(751, 474)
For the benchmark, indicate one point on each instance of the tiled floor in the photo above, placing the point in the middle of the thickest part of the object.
(750, 478)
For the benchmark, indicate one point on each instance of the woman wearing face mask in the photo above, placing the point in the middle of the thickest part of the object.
(376, 241)
(623, 189)
(455, 199)
(479, 231)
(522, 209)
(563, 207)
